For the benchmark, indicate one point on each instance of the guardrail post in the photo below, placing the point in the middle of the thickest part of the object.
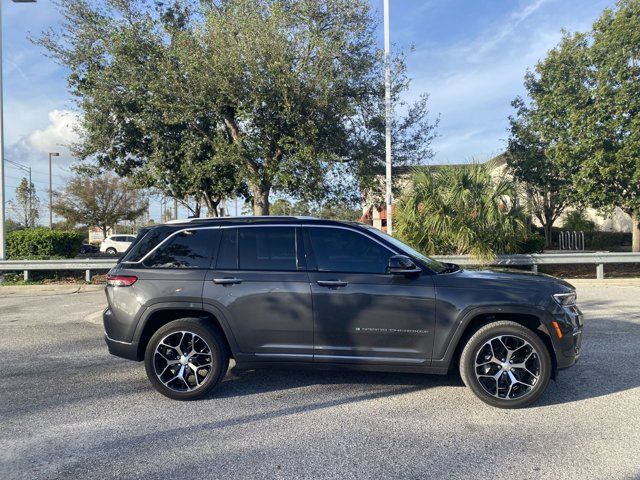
(27, 275)
(534, 268)
(87, 275)
(600, 271)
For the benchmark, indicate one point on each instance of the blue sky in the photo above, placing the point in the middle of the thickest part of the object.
(470, 56)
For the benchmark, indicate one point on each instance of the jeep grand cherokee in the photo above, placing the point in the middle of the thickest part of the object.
(190, 295)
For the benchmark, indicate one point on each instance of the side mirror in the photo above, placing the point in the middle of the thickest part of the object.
(402, 265)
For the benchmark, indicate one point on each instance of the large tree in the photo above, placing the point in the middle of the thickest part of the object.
(102, 200)
(542, 153)
(609, 176)
(26, 205)
(273, 89)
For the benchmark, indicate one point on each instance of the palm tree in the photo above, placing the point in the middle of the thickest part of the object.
(460, 210)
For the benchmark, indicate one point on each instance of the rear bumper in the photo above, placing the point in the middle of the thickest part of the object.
(122, 349)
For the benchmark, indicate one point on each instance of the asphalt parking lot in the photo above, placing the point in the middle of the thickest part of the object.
(70, 410)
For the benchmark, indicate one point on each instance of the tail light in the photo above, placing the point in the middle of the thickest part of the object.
(121, 280)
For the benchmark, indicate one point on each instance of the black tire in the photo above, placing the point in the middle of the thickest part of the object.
(510, 331)
(215, 344)
(111, 251)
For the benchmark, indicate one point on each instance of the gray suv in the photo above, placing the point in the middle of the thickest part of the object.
(189, 296)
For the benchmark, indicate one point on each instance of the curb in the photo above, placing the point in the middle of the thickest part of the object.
(46, 290)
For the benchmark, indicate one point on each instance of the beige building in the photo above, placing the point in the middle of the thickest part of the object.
(618, 221)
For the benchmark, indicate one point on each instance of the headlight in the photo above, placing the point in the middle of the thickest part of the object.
(565, 299)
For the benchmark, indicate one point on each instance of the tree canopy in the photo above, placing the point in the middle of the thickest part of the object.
(229, 97)
(26, 205)
(102, 200)
(610, 174)
(577, 138)
(541, 152)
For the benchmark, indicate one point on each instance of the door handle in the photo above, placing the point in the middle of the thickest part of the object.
(332, 283)
(227, 281)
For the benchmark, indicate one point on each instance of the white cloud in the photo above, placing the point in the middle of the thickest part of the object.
(61, 132)
(488, 42)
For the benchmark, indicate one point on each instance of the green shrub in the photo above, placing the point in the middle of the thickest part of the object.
(616, 241)
(533, 244)
(577, 220)
(460, 211)
(43, 243)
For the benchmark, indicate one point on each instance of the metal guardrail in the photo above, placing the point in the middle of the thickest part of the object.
(88, 265)
(599, 259)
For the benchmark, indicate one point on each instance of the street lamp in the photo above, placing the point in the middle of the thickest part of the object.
(51, 154)
(2, 212)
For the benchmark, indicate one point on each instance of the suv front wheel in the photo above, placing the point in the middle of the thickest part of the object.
(186, 358)
(506, 365)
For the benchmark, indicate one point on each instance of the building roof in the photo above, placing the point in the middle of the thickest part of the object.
(492, 163)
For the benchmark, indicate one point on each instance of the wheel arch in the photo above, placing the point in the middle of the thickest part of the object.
(475, 320)
(158, 317)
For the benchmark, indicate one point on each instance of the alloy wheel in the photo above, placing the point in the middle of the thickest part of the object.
(182, 361)
(507, 367)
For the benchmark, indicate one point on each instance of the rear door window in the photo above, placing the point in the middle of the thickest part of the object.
(267, 248)
(187, 249)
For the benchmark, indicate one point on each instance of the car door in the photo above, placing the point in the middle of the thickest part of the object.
(261, 284)
(361, 313)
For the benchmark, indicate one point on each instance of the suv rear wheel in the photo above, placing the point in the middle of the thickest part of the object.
(185, 359)
(506, 365)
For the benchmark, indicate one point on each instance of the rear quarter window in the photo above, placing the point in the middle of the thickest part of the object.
(187, 249)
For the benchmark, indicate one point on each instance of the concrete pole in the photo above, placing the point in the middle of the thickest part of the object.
(387, 98)
(2, 212)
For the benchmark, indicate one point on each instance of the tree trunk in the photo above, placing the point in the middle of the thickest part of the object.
(635, 232)
(261, 199)
(105, 228)
(547, 234)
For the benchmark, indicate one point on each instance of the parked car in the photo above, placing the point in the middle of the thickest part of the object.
(269, 291)
(115, 244)
(88, 248)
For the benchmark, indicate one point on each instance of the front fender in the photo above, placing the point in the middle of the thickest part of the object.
(446, 345)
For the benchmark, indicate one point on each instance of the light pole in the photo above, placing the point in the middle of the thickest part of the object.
(2, 212)
(51, 154)
(387, 116)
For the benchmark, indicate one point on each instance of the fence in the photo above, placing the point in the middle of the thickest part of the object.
(598, 259)
(27, 266)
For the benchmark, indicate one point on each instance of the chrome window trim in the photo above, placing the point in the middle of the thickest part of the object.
(290, 225)
(357, 231)
(165, 241)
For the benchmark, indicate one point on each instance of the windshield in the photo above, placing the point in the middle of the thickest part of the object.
(434, 265)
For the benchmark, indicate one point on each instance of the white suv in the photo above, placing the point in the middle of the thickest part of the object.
(115, 244)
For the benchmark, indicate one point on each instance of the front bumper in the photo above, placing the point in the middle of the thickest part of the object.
(570, 321)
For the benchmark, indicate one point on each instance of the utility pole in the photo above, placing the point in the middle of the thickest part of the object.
(51, 154)
(387, 116)
(2, 185)
(175, 208)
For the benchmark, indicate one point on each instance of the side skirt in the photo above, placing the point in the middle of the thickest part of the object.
(246, 365)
